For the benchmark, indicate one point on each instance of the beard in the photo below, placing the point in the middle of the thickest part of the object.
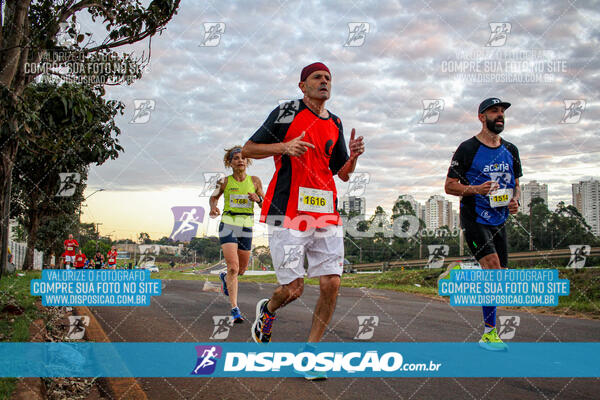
(491, 125)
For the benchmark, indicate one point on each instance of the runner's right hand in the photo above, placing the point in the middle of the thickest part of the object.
(296, 147)
(214, 212)
(487, 187)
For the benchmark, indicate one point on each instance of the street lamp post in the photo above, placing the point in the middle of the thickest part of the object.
(93, 193)
(80, 205)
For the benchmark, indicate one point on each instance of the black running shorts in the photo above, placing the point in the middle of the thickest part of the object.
(484, 240)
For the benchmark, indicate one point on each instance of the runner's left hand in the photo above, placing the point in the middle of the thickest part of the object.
(357, 147)
(513, 206)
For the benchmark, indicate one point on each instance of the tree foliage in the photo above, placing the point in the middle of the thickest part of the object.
(550, 229)
(74, 127)
(32, 43)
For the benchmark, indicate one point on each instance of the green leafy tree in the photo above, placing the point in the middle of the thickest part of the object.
(549, 229)
(167, 241)
(88, 136)
(207, 248)
(53, 232)
(31, 45)
(402, 207)
(87, 232)
(569, 227)
(92, 246)
(263, 253)
(144, 238)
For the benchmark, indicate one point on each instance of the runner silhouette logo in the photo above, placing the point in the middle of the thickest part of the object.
(68, 183)
(212, 34)
(222, 325)
(186, 222)
(508, 326)
(287, 112)
(366, 326)
(499, 32)
(207, 359)
(574, 109)
(357, 33)
(77, 325)
(578, 255)
(437, 254)
(432, 109)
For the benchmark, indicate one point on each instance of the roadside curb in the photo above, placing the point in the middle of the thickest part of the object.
(119, 388)
(32, 388)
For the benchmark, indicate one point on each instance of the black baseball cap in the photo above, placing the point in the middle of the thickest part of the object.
(492, 101)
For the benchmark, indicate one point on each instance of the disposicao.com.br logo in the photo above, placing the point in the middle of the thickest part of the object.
(324, 362)
(290, 359)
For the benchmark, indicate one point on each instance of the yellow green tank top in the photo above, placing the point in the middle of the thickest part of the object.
(238, 210)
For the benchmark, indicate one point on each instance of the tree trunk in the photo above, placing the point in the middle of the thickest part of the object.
(9, 153)
(32, 231)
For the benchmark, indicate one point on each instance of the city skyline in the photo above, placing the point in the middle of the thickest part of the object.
(209, 226)
(409, 98)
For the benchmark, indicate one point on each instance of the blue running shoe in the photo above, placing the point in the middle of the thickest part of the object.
(222, 276)
(311, 375)
(237, 315)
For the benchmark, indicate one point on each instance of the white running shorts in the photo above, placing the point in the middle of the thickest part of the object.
(324, 248)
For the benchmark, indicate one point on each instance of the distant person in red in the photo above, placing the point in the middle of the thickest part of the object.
(112, 258)
(71, 246)
(80, 260)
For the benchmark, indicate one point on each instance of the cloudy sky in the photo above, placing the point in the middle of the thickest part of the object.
(206, 95)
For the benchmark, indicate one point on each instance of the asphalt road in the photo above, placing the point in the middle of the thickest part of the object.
(184, 313)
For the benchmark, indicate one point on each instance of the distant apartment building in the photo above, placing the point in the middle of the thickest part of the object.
(455, 220)
(352, 204)
(586, 198)
(438, 212)
(530, 191)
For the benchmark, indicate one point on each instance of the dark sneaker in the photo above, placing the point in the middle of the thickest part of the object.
(261, 328)
(237, 316)
(222, 276)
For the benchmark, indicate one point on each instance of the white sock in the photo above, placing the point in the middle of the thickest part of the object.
(488, 329)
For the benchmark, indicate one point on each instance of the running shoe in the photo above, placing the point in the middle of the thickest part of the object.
(311, 375)
(222, 276)
(446, 274)
(315, 375)
(491, 341)
(237, 316)
(261, 328)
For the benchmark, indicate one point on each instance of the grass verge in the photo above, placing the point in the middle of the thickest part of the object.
(17, 312)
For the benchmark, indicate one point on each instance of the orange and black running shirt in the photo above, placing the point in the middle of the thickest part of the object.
(302, 193)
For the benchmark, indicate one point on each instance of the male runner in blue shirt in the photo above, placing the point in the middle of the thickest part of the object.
(485, 172)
